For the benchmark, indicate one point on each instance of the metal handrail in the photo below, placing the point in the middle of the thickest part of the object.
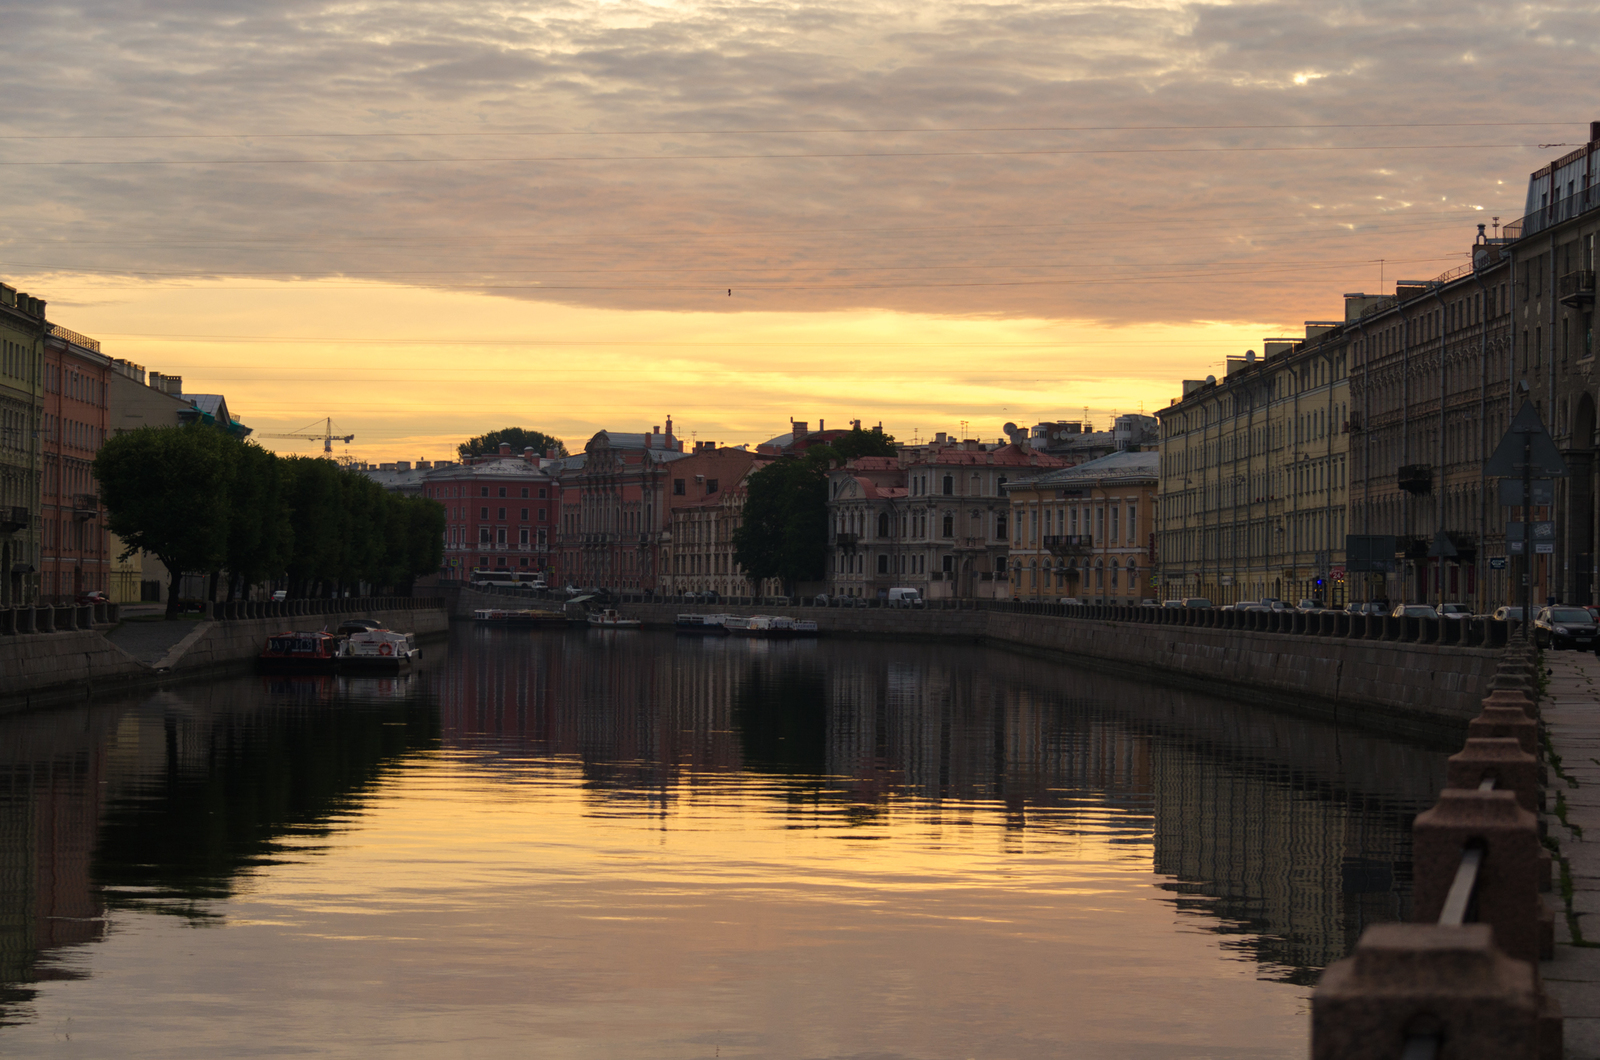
(1459, 898)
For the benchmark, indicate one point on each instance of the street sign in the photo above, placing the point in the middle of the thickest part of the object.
(1542, 531)
(1511, 495)
(1514, 545)
(1526, 447)
(1497, 563)
(1544, 548)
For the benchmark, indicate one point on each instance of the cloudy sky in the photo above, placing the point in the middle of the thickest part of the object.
(429, 219)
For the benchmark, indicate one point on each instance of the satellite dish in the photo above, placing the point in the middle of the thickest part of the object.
(1249, 356)
(1211, 379)
(1010, 428)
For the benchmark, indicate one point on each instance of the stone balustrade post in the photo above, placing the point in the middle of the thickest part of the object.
(1497, 721)
(44, 619)
(1406, 979)
(1507, 895)
(85, 616)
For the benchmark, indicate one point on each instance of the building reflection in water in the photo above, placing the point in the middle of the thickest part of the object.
(1286, 835)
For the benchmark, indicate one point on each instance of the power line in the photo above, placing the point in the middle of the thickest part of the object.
(807, 131)
(1031, 152)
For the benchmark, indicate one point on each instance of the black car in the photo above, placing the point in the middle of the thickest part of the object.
(1565, 627)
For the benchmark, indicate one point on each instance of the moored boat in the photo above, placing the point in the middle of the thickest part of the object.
(300, 652)
(701, 623)
(610, 619)
(528, 616)
(379, 649)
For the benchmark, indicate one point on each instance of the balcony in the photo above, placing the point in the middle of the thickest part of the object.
(1353, 424)
(1576, 289)
(848, 542)
(1416, 479)
(85, 506)
(13, 519)
(1068, 544)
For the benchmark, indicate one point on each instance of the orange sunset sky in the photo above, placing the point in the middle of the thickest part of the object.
(427, 220)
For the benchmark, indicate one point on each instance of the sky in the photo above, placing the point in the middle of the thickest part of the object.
(426, 220)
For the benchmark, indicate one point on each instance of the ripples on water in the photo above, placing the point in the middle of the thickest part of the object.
(635, 845)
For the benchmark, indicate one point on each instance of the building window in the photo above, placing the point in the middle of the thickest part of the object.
(883, 524)
(541, 514)
(500, 536)
(949, 564)
(1000, 565)
(541, 494)
(485, 492)
(524, 494)
(524, 515)
(502, 491)
(949, 525)
(711, 485)
(883, 563)
(523, 541)
(677, 487)
(1000, 526)
(502, 513)
(949, 485)
(483, 535)
(483, 513)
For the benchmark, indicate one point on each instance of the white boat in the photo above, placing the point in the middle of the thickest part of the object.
(379, 649)
(760, 626)
(692, 623)
(610, 619)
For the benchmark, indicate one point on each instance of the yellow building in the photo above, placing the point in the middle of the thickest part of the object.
(1085, 532)
(1254, 476)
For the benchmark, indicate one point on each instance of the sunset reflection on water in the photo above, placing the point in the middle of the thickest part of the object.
(603, 846)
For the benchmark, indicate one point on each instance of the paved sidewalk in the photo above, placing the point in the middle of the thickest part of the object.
(1571, 712)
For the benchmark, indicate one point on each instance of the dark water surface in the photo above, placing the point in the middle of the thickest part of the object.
(630, 845)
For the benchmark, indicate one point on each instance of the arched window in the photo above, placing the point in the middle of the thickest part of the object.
(1099, 574)
(883, 524)
(949, 525)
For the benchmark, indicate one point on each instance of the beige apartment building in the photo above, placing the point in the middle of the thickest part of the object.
(1086, 532)
(1254, 475)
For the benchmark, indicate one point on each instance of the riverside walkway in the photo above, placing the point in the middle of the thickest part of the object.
(1571, 713)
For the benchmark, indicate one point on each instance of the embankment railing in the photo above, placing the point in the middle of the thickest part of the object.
(1463, 979)
(45, 618)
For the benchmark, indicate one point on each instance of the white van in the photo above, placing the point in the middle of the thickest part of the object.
(905, 598)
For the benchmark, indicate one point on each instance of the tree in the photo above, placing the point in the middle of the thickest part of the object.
(519, 438)
(167, 492)
(783, 530)
(259, 534)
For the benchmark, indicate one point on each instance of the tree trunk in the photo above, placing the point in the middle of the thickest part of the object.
(173, 590)
(211, 592)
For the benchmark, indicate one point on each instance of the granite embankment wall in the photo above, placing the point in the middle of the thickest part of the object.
(41, 668)
(1423, 690)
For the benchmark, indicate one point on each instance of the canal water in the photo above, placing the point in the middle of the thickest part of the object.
(635, 845)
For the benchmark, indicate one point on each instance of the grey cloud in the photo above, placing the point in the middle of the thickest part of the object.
(1126, 236)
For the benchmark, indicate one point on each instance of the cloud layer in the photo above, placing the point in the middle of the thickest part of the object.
(1127, 163)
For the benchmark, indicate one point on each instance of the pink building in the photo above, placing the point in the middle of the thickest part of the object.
(75, 554)
(501, 512)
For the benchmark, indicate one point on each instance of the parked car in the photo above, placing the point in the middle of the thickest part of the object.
(1413, 611)
(1310, 605)
(1172, 603)
(1070, 601)
(1455, 611)
(1149, 601)
(1507, 614)
(1565, 627)
(1277, 605)
(1366, 607)
(93, 596)
(279, 595)
(1195, 601)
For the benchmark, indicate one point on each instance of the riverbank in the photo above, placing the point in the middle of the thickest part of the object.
(38, 669)
(1408, 688)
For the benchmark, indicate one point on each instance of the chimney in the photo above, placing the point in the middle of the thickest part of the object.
(669, 442)
(801, 429)
(1594, 131)
(528, 454)
(423, 465)
(505, 448)
(822, 424)
(650, 439)
(549, 454)
(938, 439)
(402, 465)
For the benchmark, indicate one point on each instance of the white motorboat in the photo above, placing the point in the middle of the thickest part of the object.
(610, 619)
(379, 649)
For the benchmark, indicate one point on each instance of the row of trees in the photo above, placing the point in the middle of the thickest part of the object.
(783, 531)
(204, 502)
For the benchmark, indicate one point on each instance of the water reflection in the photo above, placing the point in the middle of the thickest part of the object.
(1281, 835)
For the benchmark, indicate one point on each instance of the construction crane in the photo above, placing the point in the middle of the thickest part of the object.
(327, 437)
